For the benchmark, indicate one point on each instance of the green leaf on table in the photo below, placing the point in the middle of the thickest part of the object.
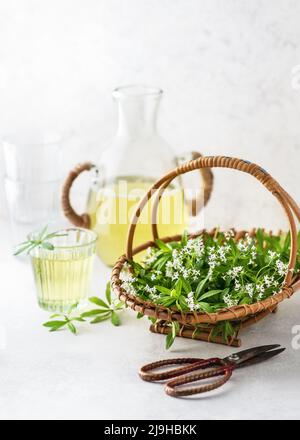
(120, 305)
(71, 327)
(108, 293)
(115, 319)
(101, 318)
(54, 323)
(93, 312)
(99, 302)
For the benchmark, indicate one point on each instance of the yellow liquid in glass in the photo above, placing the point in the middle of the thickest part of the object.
(111, 210)
(62, 280)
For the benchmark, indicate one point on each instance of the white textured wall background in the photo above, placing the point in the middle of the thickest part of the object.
(225, 67)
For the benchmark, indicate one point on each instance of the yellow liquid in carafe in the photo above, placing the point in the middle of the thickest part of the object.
(111, 210)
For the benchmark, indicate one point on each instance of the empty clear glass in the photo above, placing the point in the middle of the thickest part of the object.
(31, 205)
(62, 275)
(32, 184)
(36, 159)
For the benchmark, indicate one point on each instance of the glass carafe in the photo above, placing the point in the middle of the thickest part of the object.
(134, 160)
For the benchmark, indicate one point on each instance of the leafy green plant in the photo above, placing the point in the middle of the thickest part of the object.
(105, 310)
(42, 240)
(108, 309)
(210, 273)
(65, 320)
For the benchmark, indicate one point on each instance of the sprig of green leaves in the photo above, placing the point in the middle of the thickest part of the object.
(108, 309)
(41, 240)
(66, 320)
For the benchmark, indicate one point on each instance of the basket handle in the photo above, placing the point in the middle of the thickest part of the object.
(207, 180)
(80, 220)
(288, 204)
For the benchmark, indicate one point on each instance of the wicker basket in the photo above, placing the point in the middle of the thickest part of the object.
(200, 325)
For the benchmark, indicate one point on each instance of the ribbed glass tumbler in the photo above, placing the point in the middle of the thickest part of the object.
(63, 272)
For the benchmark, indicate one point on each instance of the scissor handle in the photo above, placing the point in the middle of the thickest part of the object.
(146, 372)
(224, 370)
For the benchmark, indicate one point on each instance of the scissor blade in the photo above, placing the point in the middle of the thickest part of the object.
(261, 357)
(244, 355)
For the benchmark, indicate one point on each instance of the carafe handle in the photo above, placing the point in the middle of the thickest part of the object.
(200, 200)
(83, 220)
(79, 220)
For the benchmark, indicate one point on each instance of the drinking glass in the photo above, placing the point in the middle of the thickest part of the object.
(32, 184)
(62, 275)
(31, 205)
(35, 159)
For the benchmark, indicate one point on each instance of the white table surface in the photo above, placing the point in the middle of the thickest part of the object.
(94, 375)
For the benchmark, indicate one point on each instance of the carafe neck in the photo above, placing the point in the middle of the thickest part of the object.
(137, 110)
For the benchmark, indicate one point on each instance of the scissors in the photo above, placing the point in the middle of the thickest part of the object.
(212, 367)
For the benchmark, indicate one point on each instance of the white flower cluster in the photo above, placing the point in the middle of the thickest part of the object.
(216, 257)
(237, 284)
(154, 297)
(273, 254)
(191, 302)
(247, 246)
(229, 301)
(222, 251)
(150, 256)
(127, 279)
(153, 294)
(260, 288)
(229, 234)
(235, 271)
(281, 267)
(128, 286)
(250, 289)
(195, 245)
(155, 274)
(150, 290)
(176, 267)
(126, 274)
